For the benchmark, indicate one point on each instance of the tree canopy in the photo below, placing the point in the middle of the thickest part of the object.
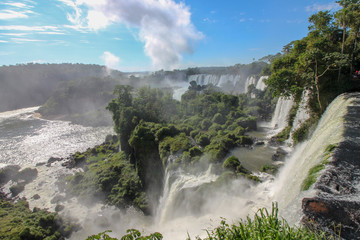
(324, 61)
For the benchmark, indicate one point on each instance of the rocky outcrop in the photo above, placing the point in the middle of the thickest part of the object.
(336, 206)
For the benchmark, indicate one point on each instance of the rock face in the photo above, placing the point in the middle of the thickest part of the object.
(337, 199)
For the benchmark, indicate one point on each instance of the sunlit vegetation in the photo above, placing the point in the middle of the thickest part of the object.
(18, 222)
(324, 61)
(108, 176)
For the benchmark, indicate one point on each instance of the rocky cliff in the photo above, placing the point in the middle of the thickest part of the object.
(335, 207)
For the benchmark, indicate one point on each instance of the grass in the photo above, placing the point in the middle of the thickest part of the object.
(264, 225)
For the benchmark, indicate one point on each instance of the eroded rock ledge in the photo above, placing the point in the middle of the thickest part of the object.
(336, 206)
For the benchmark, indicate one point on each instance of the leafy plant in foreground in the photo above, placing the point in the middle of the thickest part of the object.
(264, 225)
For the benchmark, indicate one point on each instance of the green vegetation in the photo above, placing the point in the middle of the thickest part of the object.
(324, 61)
(18, 222)
(150, 123)
(302, 133)
(314, 171)
(264, 225)
(155, 131)
(108, 176)
(271, 169)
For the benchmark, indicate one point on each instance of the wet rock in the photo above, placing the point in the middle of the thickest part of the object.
(260, 143)
(59, 208)
(52, 160)
(40, 164)
(333, 216)
(279, 155)
(16, 189)
(58, 198)
(27, 174)
(36, 197)
(8, 173)
(337, 193)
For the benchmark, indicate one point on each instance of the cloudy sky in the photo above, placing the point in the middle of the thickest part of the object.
(138, 35)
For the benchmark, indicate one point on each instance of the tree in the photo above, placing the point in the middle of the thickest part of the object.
(123, 115)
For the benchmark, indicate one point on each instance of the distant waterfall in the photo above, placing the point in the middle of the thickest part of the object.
(261, 84)
(287, 187)
(302, 113)
(280, 117)
(229, 82)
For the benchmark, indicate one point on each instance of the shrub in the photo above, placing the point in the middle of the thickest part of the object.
(202, 140)
(264, 225)
(205, 124)
(195, 151)
(218, 118)
(165, 132)
(303, 131)
(233, 163)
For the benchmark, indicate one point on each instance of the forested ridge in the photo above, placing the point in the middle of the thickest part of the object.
(28, 85)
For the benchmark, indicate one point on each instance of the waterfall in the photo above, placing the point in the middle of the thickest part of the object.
(250, 80)
(227, 82)
(302, 113)
(261, 84)
(287, 187)
(280, 116)
(175, 183)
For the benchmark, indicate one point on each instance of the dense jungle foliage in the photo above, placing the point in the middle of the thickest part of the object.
(326, 61)
(154, 132)
(19, 222)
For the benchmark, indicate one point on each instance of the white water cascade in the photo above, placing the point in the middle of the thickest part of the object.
(188, 205)
(302, 114)
(175, 182)
(281, 113)
(287, 186)
(260, 85)
(228, 82)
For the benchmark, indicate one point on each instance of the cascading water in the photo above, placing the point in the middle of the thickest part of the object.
(227, 82)
(302, 114)
(287, 187)
(175, 182)
(260, 85)
(188, 204)
(281, 113)
(250, 80)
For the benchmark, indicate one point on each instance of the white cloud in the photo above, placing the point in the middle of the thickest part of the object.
(322, 7)
(14, 34)
(209, 20)
(17, 4)
(22, 40)
(164, 25)
(11, 14)
(111, 61)
(3, 41)
(28, 28)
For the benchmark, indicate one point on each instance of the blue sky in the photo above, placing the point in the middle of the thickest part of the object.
(139, 35)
